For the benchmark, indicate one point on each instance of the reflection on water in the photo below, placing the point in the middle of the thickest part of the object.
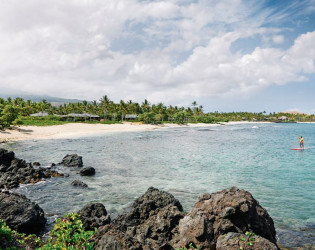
(186, 162)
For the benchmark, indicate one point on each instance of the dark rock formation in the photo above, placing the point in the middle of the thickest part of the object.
(94, 215)
(150, 224)
(73, 160)
(234, 241)
(87, 171)
(78, 183)
(217, 221)
(230, 210)
(20, 214)
(36, 164)
(14, 171)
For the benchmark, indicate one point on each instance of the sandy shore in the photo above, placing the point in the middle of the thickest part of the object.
(71, 130)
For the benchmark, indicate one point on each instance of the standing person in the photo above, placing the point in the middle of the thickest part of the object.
(301, 142)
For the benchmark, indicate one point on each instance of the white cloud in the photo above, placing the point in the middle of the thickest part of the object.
(278, 39)
(66, 48)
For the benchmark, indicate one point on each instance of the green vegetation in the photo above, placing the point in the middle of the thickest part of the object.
(68, 233)
(17, 240)
(248, 240)
(16, 112)
(42, 121)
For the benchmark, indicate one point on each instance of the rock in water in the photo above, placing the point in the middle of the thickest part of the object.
(20, 214)
(78, 183)
(150, 223)
(87, 171)
(14, 171)
(230, 210)
(73, 160)
(94, 215)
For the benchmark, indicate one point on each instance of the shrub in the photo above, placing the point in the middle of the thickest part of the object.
(69, 233)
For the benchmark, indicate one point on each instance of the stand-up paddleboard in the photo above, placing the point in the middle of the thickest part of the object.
(297, 148)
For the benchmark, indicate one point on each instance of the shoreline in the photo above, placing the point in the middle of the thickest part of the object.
(76, 130)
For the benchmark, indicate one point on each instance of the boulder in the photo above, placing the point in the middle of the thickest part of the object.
(94, 215)
(36, 164)
(87, 171)
(236, 241)
(230, 210)
(14, 171)
(72, 160)
(150, 223)
(20, 214)
(78, 183)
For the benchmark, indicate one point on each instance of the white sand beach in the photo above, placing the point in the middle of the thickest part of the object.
(71, 130)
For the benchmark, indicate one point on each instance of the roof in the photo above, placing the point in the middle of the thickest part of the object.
(131, 116)
(40, 114)
(83, 115)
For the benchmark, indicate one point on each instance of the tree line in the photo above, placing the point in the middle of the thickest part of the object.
(12, 112)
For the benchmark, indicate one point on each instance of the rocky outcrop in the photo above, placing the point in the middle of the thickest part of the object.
(94, 215)
(20, 214)
(217, 221)
(149, 224)
(230, 210)
(87, 171)
(236, 241)
(72, 160)
(77, 183)
(14, 171)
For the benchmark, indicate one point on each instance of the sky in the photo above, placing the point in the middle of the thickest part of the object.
(228, 55)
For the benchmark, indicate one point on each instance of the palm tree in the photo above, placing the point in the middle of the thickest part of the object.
(85, 105)
(123, 109)
(104, 102)
(145, 106)
(194, 104)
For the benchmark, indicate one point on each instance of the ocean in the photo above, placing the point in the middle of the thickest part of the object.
(187, 162)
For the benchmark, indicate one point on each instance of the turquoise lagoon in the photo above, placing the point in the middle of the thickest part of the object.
(187, 162)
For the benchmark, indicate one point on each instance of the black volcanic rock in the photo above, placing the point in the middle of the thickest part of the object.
(20, 214)
(78, 183)
(14, 171)
(94, 215)
(232, 241)
(230, 210)
(87, 171)
(72, 160)
(150, 223)
(217, 221)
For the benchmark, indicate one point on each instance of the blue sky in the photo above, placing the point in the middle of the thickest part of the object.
(249, 55)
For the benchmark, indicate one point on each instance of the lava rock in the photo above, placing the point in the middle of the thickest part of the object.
(149, 224)
(78, 183)
(230, 210)
(14, 171)
(72, 160)
(20, 214)
(237, 241)
(87, 171)
(94, 215)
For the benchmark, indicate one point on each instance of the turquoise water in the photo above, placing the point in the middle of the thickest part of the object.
(188, 162)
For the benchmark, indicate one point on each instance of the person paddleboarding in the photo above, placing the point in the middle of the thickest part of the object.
(301, 142)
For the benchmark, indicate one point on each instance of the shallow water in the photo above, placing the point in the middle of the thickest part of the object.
(187, 162)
